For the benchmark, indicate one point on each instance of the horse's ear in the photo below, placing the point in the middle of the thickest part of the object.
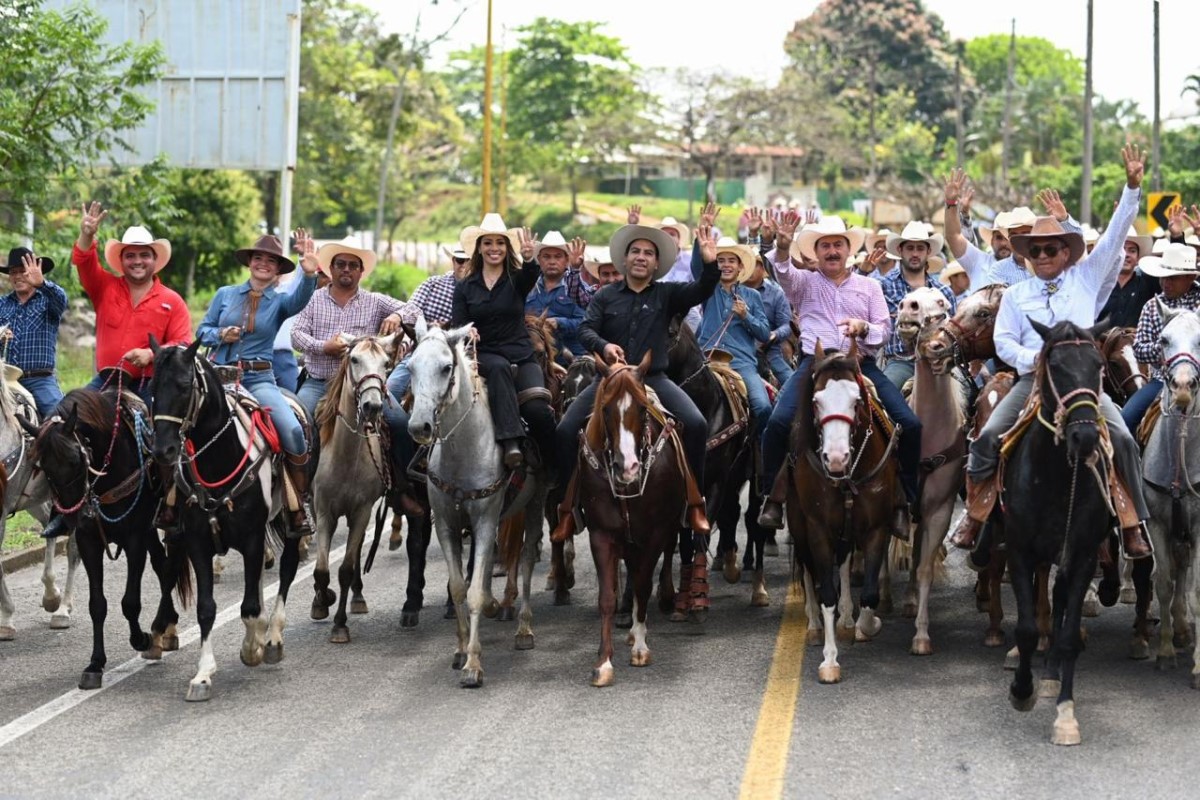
(409, 330)
(644, 367)
(193, 348)
(422, 328)
(155, 347)
(389, 343)
(27, 426)
(456, 335)
(1042, 330)
(818, 351)
(854, 348)
(601, 365)
(1165, 312)
(1102, 329)
(347, 339)
(72, 418)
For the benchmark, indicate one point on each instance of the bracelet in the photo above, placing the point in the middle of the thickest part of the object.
(952, 205)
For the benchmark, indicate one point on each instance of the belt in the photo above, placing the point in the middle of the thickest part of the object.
(255, 366)
(38, 373)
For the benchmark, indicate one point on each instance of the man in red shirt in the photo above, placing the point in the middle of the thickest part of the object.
(131, 302)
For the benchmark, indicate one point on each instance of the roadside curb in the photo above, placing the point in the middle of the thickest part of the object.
(31, 555)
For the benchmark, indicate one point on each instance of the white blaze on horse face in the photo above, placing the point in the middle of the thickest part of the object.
(1139, 380)
(626, 442)
(838, 398)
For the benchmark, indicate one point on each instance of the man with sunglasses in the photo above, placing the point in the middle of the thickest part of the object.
(1061, 290)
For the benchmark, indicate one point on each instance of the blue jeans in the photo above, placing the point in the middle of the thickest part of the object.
(46, 393)
(776, 433)
(1136, 406)
(400, 379)
(760, 404)
(139, 386)
(779, 366)
(403, 447)
(286, 370)
(900, 371)
(261, 384)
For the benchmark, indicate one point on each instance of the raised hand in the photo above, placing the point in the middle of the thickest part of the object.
(956, 184)
(635, 215)
(528, 242)
(576, 250)
(709, 214)
(964, 202)
(812, 216)
(786, 232)
(307, 249)
(708, 243)
(92, 216)
(33, 269)
(1053, 204)
(1175, 217)
(1192, 219)
(1135, 165)
(753, 221)
(768, 226)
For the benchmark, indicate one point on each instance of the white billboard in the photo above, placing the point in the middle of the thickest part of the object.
(228, 96)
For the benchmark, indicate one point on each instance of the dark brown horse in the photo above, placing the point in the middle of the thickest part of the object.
(840, 497)
(632, 496)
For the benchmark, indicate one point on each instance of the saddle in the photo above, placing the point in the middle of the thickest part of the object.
(1148, 422)
(244, 405)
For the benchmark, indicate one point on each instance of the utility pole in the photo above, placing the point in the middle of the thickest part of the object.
(1008, 88)
(871, 177)
(487, 117)
(958, 107)
(1156, 142)
(1085, 195)
(502, 176)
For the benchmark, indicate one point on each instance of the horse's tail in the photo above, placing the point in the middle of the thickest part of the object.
(184, 589)
(511, 538)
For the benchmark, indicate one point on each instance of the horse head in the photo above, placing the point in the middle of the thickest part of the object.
(1122, 374)
(365, 366)
(967, 335)
(837, 394)
(436, 364)
(621, 406)
(65, 448)
(919, 315)
(1070, 380)
(1180, 340)
(176, 372)
(683, 351)
(579, 376)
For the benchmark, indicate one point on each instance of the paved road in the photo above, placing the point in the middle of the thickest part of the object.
(384, 717)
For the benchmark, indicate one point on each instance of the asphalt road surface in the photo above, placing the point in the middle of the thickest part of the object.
(715, 715)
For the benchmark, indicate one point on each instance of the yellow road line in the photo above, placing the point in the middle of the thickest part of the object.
(766, 764)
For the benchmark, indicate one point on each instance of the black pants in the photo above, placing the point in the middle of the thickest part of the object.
(502, 398)
(694, 432)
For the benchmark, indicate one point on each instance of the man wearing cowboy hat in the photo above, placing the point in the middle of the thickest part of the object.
(835, 307)
(779, 317)
(627, 320)
(1176, 271)
(602, 269)
(1134, 287)
(877, 262)
(131, 303)
(954, 276)
(1064, 288)
(915, 245)
(30, 314)
(685, 267)
(549, 294)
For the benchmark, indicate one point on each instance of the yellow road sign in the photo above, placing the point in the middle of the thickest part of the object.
(1158, 206)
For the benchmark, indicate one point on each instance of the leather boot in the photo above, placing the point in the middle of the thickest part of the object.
(297, 476)
(697, 519)
(513, 457)
(565, 528)
(771, 515)
(981, 498)
(55, 527)
(1135, 541)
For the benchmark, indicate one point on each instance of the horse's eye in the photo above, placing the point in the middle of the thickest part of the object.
(446, 369)
(1162, 341)
(983, 313)
(354, 359)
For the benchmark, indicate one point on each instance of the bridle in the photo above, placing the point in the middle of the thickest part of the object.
(360, 386)
(962, 341)
(649, 452)
(852, 421)
(197, 397)
(448, 397)
(1168, 369)
(1072, 401)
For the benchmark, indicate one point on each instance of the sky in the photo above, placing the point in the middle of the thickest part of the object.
(670, 34)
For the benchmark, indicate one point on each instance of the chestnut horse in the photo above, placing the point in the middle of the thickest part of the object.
(632, 497)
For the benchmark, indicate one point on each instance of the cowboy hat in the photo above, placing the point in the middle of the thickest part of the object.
(828, 226)
(1049, 228)
(935, 264)
(553, 241)
(271, 246)
(492, 224)
(626, 235)
(599, 258)
(1019, 217)
(880, 235)
(1090, 235)
(18, 253)
(680, 228)
(1178, 259)
(327, 252)
(1144, 243)
(745, 253)
(915, 232)
(455, 252)
(136, 235)
(950, 270)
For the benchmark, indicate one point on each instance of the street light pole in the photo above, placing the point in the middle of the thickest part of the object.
(487, 116)
(1085, 194)
(1156, 142)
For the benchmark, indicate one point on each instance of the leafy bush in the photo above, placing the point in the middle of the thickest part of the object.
(396, 280)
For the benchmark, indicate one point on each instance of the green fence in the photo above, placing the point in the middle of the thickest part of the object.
(728, 192)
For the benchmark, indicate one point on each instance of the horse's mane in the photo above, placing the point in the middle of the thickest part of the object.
(327, 407)
(685, 339)
(535, 325)
(621, 380)
(95, 411)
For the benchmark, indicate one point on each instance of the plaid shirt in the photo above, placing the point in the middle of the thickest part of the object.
(322, 318)
(577, 290)
(894, 290)
(34, 325)
(435, 298)
(1146, 346)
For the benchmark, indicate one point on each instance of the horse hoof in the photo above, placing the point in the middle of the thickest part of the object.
(732, 571)
(1107, 592)
(58, 622)
(562, 598)
(814, 637)
(1049, 688)
(760, 600)
(697, 617)
(1066, 728)
(829, 674)
(460, 661)
(678, 616)
(771, 549)
(623, 620)
(394, 544)
(1022, 704)
(252, 658)
(91, 680)
(1196, 680)
(639, 659)
(273, 653)
(1165, 663)
(198, 692)
(993, 639)
(1128, 595)
(843, 635)
(153, 653)
(339, 635)
(922, 646)
(471, 679)
(358, 606)
(1091, 607)
(524, 641)
(51, 602)
(409, 619)
(491, 608)
(319, 611)
(170, 642)
(1012, 659)
(1139, 650)
(549, 587)
(8, 633)
(269, 559)
(602, 676)
(506, 614)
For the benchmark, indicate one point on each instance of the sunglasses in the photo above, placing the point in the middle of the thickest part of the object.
(461, 261)
(346, 265)
(1051, 250)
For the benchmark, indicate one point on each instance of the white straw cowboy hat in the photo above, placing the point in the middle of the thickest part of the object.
(553, 241)
(935, 264)
(136, 235)
(455, 252)
(1019, 217)
(492, 224)
(598, 258)
(807, 239)
(618, 246)
(950, 270)
(915, 232)
(877, 237)
(327, 252)
(745, 253)
(1178, 259)
(1145, 244)
(1090, 235)
(679, 227)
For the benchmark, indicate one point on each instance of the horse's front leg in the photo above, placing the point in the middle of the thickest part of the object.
(1021, 693)
(529, 555)
(350, 572)
(168, 575)
(7, 631)
(201, 556)
(479, 595)
(845, 603)
(417, 547)
(51, 596)
(933, 531)
(994, 637)
(605, 552)
(131, 601)
(323, 596)
(642, 576)
(253, 616)
(289, 561)
(875, 553)
(1067, 644)
(92, 553)
(1193, 601)
(1141, 574)
(830, 671)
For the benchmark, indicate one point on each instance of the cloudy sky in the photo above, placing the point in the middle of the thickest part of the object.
(668, 34)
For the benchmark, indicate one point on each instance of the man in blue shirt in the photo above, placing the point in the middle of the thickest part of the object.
(914, 245)
(779, 318)
(550, 295)
(32, 312)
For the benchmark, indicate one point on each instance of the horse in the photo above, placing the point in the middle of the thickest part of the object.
(27, 490)
(841, 497)
(97, 465)
(227, 479)
(579, 376)
(353, 474)
(1170, 461)
(1123, 375)
(1059, 457)
(937, 396)
(632, 495)
(467, 480)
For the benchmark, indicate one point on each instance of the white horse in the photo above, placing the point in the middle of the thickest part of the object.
(28, 491)
(467, 481)
(1171, 467)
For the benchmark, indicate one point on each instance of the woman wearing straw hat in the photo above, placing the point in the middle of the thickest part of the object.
(492, 297)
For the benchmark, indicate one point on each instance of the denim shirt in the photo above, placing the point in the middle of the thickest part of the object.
(559, 306)
(739, 337)
(229, 308)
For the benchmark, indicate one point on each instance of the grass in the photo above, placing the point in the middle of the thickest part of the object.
(22, 531)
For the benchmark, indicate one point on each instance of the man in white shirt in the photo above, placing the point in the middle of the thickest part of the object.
(1057, 294)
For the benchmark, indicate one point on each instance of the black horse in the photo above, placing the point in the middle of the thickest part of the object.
(97, 462)
(1056, 510)
(222, 482)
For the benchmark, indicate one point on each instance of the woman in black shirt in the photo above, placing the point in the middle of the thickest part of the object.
(492, 296)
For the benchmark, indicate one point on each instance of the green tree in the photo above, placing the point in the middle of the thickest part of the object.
(67, 99)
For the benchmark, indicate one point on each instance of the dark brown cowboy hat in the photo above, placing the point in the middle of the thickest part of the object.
(1044, 229)
(17, 253)
(271, 246)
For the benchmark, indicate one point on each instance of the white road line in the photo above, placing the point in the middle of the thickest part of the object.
(64, 703)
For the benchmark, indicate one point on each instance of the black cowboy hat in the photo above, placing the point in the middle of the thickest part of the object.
(17, 253)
